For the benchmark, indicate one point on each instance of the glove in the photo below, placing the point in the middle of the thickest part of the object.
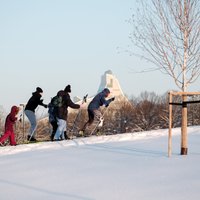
(112, 99)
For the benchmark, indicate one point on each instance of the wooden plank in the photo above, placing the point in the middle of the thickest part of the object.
(184, 93)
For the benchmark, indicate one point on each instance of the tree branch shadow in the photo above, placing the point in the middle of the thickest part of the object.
(128, 151)
(45, 191)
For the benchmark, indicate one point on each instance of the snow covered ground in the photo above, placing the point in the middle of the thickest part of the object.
(117, 167)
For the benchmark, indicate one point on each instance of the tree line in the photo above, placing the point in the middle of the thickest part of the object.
(148, 111)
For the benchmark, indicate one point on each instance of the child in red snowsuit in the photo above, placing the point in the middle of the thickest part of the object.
(9, 130)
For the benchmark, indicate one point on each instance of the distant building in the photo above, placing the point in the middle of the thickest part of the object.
(108, 80)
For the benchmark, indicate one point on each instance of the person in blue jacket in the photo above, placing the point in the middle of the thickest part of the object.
(94, 106)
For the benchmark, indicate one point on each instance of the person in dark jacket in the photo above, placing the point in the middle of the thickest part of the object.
(32, 104)
(52, 119)
(63, 113)
(9, 129)
(94, 106)
(53, 106)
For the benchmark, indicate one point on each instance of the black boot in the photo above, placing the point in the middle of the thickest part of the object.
(66, 136)
(32, 139)
(52, 136)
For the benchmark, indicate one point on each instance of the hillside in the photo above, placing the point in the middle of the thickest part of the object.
(116, 167)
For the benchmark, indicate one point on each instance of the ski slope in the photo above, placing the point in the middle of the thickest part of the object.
(117, 167)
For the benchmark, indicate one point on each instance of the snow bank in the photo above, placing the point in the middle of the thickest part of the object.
(116, 167)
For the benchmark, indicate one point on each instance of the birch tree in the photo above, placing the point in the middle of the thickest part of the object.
(168, 33)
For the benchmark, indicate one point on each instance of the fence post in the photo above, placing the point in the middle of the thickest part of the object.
(184, 147)
(170, 126)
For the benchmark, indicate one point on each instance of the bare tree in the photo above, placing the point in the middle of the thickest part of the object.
(168, 31)
(148, 112)
(124, 117)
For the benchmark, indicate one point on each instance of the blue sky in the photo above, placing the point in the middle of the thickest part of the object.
(52, 43)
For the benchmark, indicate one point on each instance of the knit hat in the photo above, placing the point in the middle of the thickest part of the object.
(39, 90)
(68, 88)
(107, 91)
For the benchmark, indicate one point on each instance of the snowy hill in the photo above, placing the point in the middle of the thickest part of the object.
(116, 167)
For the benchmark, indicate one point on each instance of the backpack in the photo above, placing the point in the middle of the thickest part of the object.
(53, 106)
(57, 101)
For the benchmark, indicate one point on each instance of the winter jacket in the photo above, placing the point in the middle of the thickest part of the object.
(99, 100)
(34, 101)
(11, 119)
(66, 102)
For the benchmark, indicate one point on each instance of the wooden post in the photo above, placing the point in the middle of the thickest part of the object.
(184, 147)
(184, 139)
(170, 126)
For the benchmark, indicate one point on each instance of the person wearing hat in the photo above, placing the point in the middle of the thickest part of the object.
(32, 104)
(9, 127)
(63, 113)
(94, 107)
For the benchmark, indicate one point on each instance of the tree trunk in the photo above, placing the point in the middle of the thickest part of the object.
(184, 148)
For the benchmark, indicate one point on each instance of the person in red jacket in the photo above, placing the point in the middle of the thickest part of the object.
(9, 126)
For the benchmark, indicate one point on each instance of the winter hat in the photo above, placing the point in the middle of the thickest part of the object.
(39, 90)
(68, 88)
(60, 93)
(14, 110)
(106, 90)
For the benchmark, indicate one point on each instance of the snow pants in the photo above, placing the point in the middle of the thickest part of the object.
(10, 135)
(61, 129)
(32, 119)
(54, 125)
(95, 121)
